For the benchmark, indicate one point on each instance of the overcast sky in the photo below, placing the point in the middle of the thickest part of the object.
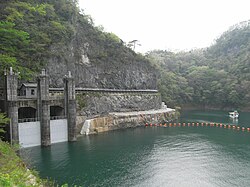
(167, 24)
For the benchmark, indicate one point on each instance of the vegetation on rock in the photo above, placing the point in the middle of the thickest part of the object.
(33, 33)
(3, 121)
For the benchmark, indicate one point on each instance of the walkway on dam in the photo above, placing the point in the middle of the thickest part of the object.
(147, 112)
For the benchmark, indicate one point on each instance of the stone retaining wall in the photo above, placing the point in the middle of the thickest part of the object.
(100, 103)
(115, 121)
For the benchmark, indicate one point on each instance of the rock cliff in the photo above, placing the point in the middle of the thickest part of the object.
(100, 60)
(58, 36)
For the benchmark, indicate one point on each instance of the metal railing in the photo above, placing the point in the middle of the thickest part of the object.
(27, 120)
(57, 117)
(24, 120)
(113, 90)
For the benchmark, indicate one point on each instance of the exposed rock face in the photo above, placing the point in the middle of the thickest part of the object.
(91, 104)
(134, 75)
(95, 65)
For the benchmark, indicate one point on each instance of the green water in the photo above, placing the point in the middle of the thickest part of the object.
(153, 156)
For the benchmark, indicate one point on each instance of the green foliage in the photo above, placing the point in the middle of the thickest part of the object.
(81, 101)
(11, 38)
(3, 121)
(177, 112)
(113, 37)
(13, 171)
(218, 76)
(34, 32)
(12, 45)
(174, 89)
(7, 61)
(27, 31)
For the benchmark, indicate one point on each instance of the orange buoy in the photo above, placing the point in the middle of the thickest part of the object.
(170, 124)
(234, 126)
(197, 124)
(229, 126)
(151, 125)
(243, 128)
(238, 128)
(160, 125)
(248, 129)
(184, 124)
(217, 124)
(202, 124)
(174, 124)
(206, 124)
(220, 125)
(179, 124)
(165, 125)
(188, 124)
(192, 124)
(225, 126)
(146, 125)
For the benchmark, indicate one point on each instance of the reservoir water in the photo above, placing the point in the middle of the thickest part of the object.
(153, 156)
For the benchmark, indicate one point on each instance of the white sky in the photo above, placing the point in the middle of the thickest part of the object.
(167, 24)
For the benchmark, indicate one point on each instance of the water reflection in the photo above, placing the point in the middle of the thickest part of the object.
(234, 121)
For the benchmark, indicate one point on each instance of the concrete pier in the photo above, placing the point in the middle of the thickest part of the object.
(72, 128)
(44, 107)
(13, 116)
(70, 106)
(11, 103)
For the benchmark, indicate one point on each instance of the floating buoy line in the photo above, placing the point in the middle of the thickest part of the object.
(219, 125)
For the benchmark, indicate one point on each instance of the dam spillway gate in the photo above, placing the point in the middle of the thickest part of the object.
(41, 118)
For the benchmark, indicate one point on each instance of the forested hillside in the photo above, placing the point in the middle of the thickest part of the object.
(215, 77)
(57, 35)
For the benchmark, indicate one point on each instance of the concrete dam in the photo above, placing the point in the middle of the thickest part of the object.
(40, 115)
